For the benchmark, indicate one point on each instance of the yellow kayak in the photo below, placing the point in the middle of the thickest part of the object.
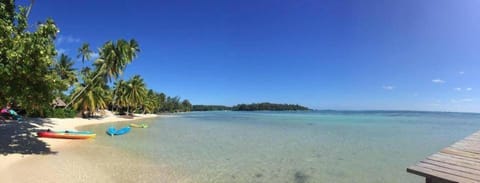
(138, 125)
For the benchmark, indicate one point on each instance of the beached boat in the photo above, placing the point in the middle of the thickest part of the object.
(63, 135)
(112, 131)
(138, 125)
(72, 131)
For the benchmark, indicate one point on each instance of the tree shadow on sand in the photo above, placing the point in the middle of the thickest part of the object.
(20, 138)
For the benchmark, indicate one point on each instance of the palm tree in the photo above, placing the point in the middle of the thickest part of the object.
(136, 91)
(113, 59)
(186, 105)
(85, 71)
(161, 97)
(91, 98)
(119, 99)
(64, 69)
(134, 48)
(84, 52)
(148, 106)
(151, 103)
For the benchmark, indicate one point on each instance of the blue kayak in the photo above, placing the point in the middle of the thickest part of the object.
(112, 131)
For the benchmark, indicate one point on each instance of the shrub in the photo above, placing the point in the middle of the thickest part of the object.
(60, 113)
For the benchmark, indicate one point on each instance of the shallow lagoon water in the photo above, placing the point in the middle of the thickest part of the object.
(289, 146)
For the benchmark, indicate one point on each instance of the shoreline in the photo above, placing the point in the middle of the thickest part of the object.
(61, 124)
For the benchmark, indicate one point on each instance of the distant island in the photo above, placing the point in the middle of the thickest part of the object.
(211, 108)
(265, 106)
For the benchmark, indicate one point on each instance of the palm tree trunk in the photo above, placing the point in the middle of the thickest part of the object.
(79, 93)
(30, 8)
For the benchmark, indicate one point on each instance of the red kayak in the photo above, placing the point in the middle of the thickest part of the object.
(50, 134)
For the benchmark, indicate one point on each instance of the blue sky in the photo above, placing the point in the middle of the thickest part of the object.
(355, 55)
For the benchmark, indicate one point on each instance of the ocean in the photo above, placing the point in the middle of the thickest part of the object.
(297, 147)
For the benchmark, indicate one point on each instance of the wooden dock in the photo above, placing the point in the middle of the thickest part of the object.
(458, 163)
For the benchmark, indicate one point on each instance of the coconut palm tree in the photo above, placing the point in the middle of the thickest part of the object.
(151, 103)
(134, 48)
(91, 98)
(186, 105)
(136, 91)
(64, 69)
(113, 59)
(84, 52)
(119, 99)
(85, 71)
(161, 97)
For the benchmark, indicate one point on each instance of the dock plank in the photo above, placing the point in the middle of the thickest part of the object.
(426, 172)
(455, 169)
(459, 152)
(460, 162)
(455, 161)
(453, 172)
(458, 157)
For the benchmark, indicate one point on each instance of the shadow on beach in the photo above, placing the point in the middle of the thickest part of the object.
(19, 137)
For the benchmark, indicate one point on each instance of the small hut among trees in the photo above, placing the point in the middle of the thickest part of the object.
(58, 103)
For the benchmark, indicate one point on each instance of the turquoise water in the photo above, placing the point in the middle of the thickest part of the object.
(291, 146)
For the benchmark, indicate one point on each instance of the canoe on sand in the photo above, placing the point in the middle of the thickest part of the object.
(138, 125)
(51, 134)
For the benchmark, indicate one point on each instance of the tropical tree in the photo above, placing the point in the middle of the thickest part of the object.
(148, 106)
(64, 69)
(113, 59)
(172, 104)
(84, 52)
(91, 98)
(26, 57)
(151, 103)
(85, 71)
(119, 97)
(135, 91)
(186, 105)
(161, 97)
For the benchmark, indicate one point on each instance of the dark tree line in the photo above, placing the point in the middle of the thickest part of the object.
(252, 107)
(269, 107)
(211, 108)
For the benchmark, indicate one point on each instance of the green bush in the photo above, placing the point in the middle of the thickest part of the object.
(60, 113)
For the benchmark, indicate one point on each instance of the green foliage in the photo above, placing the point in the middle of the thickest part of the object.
(64, 68)
(92, 94)
(60, 113)
(26, 59)
(114, 58)
(251, 107)
(84, 52)
(135, 91)
(186, 105)
(33, 78)
(269, 107)
(132, 95)
(210, 108)
(172, 104)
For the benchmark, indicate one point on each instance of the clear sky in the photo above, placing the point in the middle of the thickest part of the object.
(355, 55)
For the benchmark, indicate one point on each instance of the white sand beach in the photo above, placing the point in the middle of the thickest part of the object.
(55, 145)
